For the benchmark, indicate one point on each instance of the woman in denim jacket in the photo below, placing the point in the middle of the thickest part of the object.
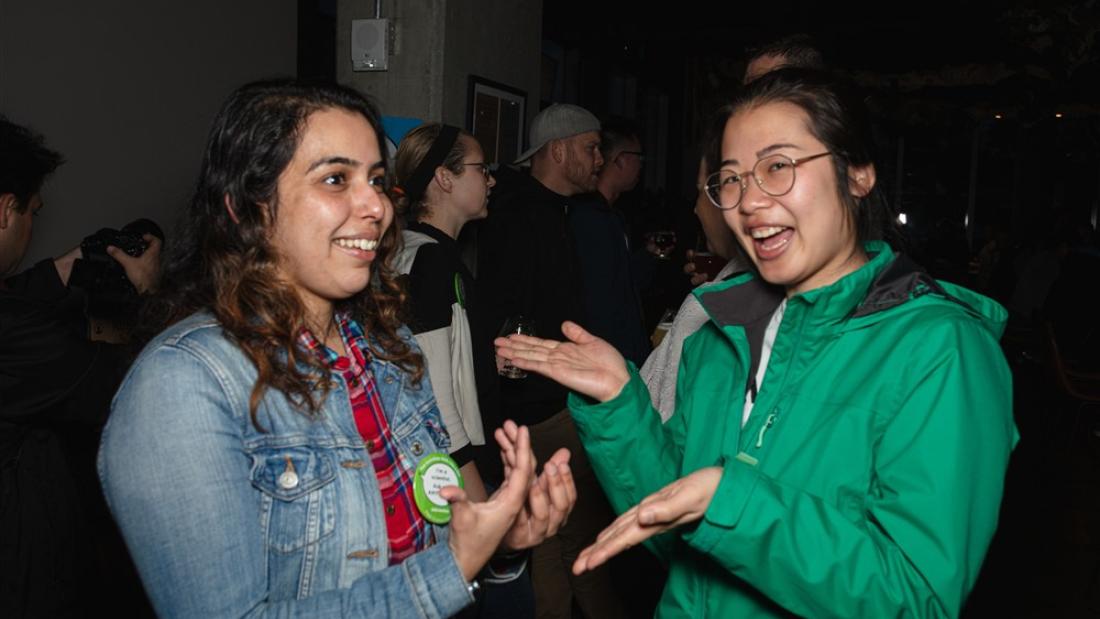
(260, 454)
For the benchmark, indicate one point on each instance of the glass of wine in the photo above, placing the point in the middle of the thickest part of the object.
(664, 241)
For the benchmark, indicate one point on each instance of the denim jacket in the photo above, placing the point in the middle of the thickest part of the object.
(223, 520)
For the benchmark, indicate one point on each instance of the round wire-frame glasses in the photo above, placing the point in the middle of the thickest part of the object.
(726, 188)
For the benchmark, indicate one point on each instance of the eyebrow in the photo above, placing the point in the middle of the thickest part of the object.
(332, 161)
(760, 154)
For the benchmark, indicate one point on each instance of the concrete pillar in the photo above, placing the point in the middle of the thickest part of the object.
(437, 45)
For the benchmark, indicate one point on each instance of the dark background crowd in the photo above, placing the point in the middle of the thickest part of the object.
(988, 125)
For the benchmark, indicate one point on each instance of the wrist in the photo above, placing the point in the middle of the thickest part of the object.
(617, 387)
(469, 572)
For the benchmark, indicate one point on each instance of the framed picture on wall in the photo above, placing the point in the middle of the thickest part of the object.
(497, 117)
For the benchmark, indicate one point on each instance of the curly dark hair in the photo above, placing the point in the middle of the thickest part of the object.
(226, 264)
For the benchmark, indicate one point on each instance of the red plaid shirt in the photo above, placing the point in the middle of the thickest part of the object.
(407, 530)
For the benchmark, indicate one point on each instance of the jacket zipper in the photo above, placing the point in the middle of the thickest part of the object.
(764, 428)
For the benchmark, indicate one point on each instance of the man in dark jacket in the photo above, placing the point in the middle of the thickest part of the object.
(55, 389)
(527, 267)
(611, 272)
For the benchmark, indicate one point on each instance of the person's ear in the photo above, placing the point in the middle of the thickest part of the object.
(444, 178)
(557, 150)
(861, 180)
(8, 205)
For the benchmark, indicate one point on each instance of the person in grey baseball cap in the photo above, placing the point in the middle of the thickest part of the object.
(557, 122)
(527, 266)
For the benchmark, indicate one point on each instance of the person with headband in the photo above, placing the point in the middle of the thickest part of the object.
(443, 182)
(277, 450)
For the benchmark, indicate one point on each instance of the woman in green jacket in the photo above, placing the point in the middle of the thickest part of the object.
(844, 421)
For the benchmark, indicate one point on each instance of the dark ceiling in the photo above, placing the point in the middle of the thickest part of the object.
(997, 51)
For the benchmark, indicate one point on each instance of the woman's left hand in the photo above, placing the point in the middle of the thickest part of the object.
(684, 500)
(550, 497)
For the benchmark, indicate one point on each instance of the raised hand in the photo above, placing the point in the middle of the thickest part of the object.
(550, 498)
(143, 271)
(684, 500)
(689, 270)
(586, 364)
(478, 528)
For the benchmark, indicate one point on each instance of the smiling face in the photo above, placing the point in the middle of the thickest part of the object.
(331, 210)
(804, 239)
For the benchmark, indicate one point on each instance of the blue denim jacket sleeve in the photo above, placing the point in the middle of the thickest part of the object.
(177, 479)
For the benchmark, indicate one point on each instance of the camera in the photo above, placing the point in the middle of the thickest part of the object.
(110, 293)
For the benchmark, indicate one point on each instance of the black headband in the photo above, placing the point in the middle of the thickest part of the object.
(425, 170)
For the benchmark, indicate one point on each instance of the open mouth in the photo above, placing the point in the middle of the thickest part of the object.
(770, 241)
(360, 244)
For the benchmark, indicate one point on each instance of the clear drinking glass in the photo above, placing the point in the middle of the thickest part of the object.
(518, 325)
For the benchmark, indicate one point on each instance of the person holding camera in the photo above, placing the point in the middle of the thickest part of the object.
(58, 372)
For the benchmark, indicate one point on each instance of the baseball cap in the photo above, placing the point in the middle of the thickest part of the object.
(559, 121)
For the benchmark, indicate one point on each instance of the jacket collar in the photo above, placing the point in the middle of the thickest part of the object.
(747, 299)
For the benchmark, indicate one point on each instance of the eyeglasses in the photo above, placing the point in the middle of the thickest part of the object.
(726, 188)
(484, 168)
(637, 153)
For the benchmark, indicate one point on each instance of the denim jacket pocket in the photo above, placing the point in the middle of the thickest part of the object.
(298, 506)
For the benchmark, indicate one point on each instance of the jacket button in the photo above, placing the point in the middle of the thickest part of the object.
(388, 380)
(288, 479)
(417, 448)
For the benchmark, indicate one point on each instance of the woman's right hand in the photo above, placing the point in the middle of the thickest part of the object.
(586, 364)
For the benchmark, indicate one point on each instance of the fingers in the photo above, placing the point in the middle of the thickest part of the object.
(524, 342)
(560, 457)
(507, 437)
(576, 333)
(538, 507)
(514, 489)
(152, 244)
(624, 533)
(658, 511)
(561, 494)
(140, 270)
(507, 445)
(522, 349)
(453, 494)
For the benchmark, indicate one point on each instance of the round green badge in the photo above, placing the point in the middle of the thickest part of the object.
(434, 472)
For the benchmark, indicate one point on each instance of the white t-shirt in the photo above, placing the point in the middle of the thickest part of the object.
(765, 355)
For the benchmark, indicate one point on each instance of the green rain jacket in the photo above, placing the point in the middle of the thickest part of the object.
(868, 478)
